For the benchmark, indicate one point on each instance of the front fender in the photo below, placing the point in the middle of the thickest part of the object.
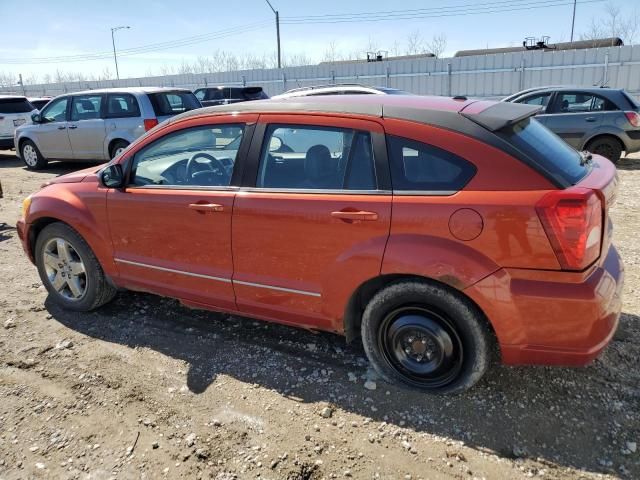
(82, 206)
(447, 261)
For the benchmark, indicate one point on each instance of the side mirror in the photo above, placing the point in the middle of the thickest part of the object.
(36, 118)
(112, 176)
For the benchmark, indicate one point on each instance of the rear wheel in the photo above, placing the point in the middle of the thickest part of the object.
(117, 148)
(69, 269)
(608, 147)
(31, 156)
(426, 336)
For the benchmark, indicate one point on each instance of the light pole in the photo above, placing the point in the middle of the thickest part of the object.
(113, 42)
(277, 31)
(573, 20)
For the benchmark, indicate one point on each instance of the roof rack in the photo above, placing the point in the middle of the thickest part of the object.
(328, 85)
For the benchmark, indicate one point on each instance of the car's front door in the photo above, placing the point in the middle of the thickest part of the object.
(312, 219)
(87, 127)
(51, 135)
(572, 117)
(171, 226)
(542, 99)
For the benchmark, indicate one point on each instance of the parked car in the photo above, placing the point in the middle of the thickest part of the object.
(15, 110)
(601, 120)
(340, 89)
(210, 96)
(39, 102)
(440, 231)
(97, 124)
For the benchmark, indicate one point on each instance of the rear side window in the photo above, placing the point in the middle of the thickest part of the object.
(15, 105)
(419, 167)
(173, 103)
(316, 158)
(121, 105)
(86, 107)
(546, 149)
(575, 102)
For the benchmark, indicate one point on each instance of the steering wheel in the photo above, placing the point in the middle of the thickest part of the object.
(216, 168)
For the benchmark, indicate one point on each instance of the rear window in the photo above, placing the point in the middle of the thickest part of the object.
(418, 167)
(15, 105)
(547, 149)
(173, 103)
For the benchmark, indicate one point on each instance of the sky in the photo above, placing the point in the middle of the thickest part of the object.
(45, 29)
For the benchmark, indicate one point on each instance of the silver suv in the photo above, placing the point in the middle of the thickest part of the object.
(15, 110)
(97, 124)
(605, 121)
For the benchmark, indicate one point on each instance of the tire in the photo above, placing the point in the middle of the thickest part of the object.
(427, 337)
(117, 147)
(59, 279)
(31, 156)
(608, 147)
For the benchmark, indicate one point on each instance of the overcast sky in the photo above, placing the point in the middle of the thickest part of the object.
(44, 29)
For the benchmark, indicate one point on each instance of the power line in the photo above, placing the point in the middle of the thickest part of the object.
(362, 17)
(153, 47)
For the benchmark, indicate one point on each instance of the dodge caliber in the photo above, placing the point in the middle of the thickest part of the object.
(439, 231)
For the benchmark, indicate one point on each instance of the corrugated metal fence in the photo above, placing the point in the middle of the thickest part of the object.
(494, 75)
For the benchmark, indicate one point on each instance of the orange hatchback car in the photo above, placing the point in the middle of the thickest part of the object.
(439, 230)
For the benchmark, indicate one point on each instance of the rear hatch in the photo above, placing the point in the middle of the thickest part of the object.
(170, 103)
(14, 111)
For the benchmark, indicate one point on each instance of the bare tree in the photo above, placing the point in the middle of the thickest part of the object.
(613, 23)
(437, 45)
(331, 52)
(414, 43)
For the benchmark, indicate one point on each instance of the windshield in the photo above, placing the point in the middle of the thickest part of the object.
(547, 149)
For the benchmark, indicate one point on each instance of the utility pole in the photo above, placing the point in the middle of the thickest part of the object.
(277, 31)
(24, 92)
(113, 42)
(573, 20)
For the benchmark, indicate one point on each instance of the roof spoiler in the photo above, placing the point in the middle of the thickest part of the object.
(502, 114)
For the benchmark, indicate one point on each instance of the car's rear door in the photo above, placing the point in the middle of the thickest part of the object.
(87, 127)
(171, 226)
(312, 219)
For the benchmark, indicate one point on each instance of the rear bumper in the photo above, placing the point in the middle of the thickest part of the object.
(6, 142)
(553, 318)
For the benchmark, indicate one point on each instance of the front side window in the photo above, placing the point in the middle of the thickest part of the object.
(56, 111)
(199, 157)
(86, 107)
(419, 167)
(541, 99)
(316, 158)
(121, 105)
(200, 94)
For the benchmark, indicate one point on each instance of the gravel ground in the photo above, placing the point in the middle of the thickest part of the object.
(145, 388)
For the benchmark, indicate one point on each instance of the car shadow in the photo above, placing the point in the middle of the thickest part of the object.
(548, 414)
(628, 163)
(4, 229)
(8, 159)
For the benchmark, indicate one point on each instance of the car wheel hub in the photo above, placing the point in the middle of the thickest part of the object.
(65, 269)
(422, 345)
(30, 155)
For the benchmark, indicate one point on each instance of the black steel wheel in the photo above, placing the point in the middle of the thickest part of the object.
(427, 336)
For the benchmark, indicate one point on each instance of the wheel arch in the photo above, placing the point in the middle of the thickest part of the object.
(359, 299)
(602, 135)
(111, 142)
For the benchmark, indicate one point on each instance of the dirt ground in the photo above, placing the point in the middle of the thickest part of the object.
(145, 388)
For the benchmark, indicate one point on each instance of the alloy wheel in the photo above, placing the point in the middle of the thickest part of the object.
(65, 269)
(30, 155)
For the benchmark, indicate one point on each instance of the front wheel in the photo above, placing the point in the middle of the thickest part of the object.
(117, 148)
(426, 336)
(69, 269)
(31, 156)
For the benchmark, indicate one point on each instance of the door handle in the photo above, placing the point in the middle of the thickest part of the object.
(206, 207)
(71, 127)
(355, 216)
(61, 128)
(590, 119)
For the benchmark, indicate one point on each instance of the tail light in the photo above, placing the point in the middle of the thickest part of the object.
(634, 118)
(149, 123)
(572, 219)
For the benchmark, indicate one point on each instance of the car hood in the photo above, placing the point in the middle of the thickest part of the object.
(74, 177)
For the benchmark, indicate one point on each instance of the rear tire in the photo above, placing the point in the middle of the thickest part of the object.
(426, 336)
(117, 147)
(608, 147)
(69, 269)
(31, 156)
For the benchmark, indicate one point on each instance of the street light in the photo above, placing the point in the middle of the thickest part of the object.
(277, 30)
(113, 42)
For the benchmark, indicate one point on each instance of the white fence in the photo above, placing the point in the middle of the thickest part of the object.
(493, 75)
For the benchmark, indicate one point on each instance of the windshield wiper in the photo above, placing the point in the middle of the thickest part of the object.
(585, 158)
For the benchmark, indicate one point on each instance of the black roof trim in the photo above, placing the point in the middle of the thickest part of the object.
(501, 115)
